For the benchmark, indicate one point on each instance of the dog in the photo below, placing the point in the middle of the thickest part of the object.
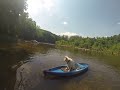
(71, 65)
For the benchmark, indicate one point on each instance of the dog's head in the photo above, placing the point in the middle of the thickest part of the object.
(67, 59)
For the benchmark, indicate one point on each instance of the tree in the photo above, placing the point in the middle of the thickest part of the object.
(10, 11)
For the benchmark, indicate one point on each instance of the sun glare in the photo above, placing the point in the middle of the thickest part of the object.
(39, 5)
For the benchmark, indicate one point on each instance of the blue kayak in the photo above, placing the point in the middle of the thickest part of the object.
(57, 71)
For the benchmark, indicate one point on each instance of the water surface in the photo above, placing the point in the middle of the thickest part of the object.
(103, 73)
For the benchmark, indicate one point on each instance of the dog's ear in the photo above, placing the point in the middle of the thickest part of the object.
(65, 59)
(66, 56)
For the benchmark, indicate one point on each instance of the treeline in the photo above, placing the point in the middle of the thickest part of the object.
(15, 24)
(100, 44)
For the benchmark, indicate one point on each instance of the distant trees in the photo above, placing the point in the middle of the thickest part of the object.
(105, 44)
(30, 31)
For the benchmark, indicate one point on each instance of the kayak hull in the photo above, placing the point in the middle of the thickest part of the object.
(57, 71)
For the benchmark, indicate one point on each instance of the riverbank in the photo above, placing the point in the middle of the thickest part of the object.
(95, 51)
(105, 45)
(29, 47)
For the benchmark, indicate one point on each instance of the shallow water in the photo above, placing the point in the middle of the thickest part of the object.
(103, 73)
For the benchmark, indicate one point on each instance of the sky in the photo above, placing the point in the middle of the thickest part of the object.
(92, 18)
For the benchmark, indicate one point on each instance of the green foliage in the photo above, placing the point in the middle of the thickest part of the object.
(10, 10)
(30, 31)
(103, 44)
(15, 24)
(116, 48)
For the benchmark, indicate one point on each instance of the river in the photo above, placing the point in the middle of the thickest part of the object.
(103, 72)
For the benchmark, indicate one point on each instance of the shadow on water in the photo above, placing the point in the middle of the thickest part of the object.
(7, 76)
(12, 56)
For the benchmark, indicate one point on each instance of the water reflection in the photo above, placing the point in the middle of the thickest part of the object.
(98, 77)
(101, 75)
(12, 56)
